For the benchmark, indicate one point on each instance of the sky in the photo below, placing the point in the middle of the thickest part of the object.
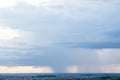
(59, 36)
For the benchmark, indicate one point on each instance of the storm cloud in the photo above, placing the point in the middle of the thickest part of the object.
(60, 34)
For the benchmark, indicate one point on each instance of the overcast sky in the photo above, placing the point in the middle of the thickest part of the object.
(59, 36)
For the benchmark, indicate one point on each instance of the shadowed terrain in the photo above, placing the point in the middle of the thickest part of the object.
(66, 76)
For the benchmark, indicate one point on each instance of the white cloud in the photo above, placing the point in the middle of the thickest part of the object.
(75, 9)
(14, 38)
(25, 69)
(12, 3)
(8, 34)
(37, 3)
(7, 3)
(88, 9)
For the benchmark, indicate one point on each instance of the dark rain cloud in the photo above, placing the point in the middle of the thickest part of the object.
(94, 45)
(113, 34)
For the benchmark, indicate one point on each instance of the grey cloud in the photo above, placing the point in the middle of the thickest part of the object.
(59, 28)
(94, 45)
(66, 36)
(26, 15)
(113, 34)
(56, 57)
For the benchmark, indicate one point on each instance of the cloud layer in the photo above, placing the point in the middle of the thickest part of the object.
(67, 36)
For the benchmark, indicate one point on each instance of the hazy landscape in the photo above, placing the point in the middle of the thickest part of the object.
(62, 76)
